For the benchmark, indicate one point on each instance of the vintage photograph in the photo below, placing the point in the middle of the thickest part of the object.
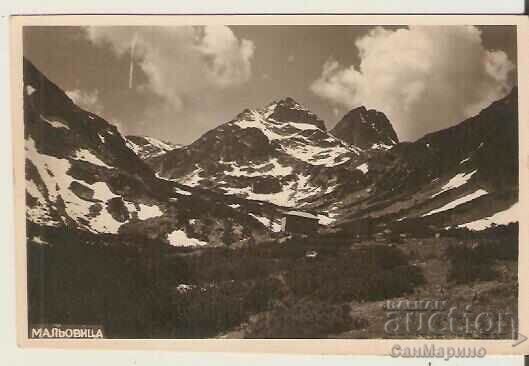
(271, 181)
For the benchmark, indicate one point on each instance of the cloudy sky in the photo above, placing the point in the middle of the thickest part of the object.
(175, 83)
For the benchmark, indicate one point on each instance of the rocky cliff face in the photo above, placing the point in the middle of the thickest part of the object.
(366, 129)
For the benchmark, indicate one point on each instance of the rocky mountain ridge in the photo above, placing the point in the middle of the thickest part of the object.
(235, 182)
(81, 174)
(280, 154)
(454, 178)
(465, 176)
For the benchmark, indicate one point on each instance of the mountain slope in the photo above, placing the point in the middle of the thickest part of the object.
(233, 183)
(366, 129)
(81, 175)
(448, 178)
(280, 154)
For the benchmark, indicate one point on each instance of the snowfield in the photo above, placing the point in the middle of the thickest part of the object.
(456, 182)
(92, 215)
(316, 155)
(179, 238)
(148, 212)
(291, 140)
(505, 217)
(86, 155)
(458, 202)
(54, 174)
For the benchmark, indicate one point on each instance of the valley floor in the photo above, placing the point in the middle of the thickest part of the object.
(497, 294)
(312, 287)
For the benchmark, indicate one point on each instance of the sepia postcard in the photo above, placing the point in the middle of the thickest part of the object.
(296, 184)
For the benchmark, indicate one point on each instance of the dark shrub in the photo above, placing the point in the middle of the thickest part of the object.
(468, 264)
(304, 319)
(208, 311)
(370, 274)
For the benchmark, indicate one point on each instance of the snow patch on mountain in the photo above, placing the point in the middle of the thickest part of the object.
(455, 182)
(364, 168)
(505, 217)
(39, 212)
(164, 146)
(303, 126)
(325, 220)
(469, 197)
(148, 147)
(282, 198)
(272, 167)
(54, 174)
(292, 138)
(181, 191)
(317, 155)
(255, 120)
(193, 179)
(179, 238)
(30, 89)
(101, 191)
(134, 147)
(146, 212)
(55, 123)
(38, 240)
(89, 157)
(379, 146)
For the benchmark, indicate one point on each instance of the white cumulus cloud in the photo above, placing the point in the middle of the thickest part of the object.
(181, 61)
(424, 78)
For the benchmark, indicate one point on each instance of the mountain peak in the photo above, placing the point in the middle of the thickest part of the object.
(362, 109)
(288, 102)
(289, 110)
(149, 147)
(365, 128)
